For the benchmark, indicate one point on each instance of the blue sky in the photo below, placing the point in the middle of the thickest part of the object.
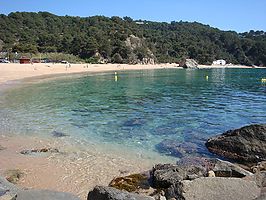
(237, 15)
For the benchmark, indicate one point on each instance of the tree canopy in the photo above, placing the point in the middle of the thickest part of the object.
(87, 37)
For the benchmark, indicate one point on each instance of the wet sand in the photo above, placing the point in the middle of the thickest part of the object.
(71, 170)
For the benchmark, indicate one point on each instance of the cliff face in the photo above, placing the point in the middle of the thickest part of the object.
(139, 51)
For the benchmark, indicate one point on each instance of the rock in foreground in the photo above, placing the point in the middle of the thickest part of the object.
(44, 195)
(246, 145)
(217, 188)
(191, 182)
(109, 193)
(7, 189)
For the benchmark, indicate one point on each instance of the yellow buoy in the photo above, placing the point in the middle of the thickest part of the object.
(207, 78)
(263, 80)
(116, 77)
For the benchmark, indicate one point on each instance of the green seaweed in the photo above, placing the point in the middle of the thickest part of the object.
(130, 183)
(13, 175)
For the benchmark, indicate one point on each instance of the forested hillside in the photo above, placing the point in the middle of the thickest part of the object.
(123, 40)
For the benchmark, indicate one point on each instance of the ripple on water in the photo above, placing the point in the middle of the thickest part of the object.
(139, 111)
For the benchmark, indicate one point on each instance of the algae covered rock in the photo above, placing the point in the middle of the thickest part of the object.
(245, 145)
(38, 151)
(131, 183)
(13, 175)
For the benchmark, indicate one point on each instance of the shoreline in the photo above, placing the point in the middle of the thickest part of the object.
(73, 170)
(12, 72)
(15, 71)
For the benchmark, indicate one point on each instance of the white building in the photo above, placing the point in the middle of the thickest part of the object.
(219, 62)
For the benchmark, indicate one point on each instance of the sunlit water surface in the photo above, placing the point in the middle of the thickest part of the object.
(144, 112)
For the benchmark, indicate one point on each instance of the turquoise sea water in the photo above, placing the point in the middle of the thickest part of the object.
(149, 111)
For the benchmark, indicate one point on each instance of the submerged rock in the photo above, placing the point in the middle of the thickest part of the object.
(246, 145)
(58, 134)
(196, 161)
(134, 122)
(176, 148)
(43, 150)
(109, 193)
(164, 130)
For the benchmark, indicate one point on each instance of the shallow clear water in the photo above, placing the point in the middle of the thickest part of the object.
(141, 109)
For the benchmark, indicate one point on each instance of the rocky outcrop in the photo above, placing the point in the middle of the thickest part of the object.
(139, 51)
(223, 168)
(109, 193)
(166, 175)
(246, 145)
(189, 64)
(214, 188)
(181, 181)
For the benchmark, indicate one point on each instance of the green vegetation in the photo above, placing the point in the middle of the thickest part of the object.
(127, 41)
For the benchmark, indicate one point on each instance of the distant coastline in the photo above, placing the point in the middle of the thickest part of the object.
(12, 71)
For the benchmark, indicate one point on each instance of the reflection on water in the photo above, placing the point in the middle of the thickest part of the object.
(159, 112)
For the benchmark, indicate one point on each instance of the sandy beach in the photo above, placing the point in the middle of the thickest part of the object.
(72, 170)
(15, 71)
(10, 71)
